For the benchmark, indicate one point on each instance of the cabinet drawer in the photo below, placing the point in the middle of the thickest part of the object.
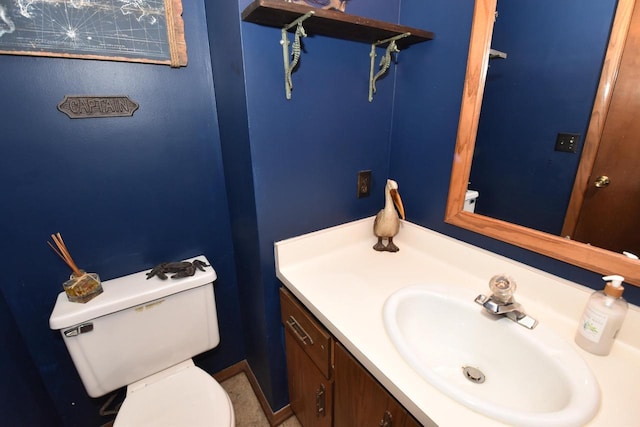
(309, 334)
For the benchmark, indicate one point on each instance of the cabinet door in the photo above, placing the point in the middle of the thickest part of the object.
(311, 394)
(359, 400)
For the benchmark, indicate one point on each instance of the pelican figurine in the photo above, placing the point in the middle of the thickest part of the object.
(387, 223)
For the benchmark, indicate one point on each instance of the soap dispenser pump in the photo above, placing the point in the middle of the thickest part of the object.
(602, 317)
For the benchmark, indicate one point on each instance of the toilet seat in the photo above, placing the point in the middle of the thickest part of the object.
(183, 395)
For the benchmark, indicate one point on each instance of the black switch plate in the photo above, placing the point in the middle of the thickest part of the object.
(567, 142)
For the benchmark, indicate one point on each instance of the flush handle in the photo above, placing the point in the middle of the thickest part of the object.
(80, 329)
(602, 181)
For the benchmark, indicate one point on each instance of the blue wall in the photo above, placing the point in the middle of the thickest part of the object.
(126, 194)
(22, 385)
(225, 175)
(546, 85)
(293, 168)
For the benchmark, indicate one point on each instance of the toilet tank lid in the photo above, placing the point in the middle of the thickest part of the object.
(125, 292)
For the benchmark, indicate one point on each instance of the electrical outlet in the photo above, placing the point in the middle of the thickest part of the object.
(567, 142)
(364, 184)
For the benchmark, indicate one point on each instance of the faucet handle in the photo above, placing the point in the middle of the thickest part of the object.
(502, 288)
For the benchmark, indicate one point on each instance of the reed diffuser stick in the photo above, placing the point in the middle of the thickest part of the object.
(64, 254)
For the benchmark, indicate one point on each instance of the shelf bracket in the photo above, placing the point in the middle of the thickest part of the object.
(296, 49)
(385, 62)
(496, 54)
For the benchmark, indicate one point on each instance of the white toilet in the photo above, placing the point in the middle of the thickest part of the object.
(142, 334)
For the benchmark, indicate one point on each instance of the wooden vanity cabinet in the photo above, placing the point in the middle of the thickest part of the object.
(309, 351)
(327, 386)
(360, 400)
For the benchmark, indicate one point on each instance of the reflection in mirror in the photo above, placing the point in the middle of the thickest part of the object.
(546, 85)
(580, 254)
(605, 202)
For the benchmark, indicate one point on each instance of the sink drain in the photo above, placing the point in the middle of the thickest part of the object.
(474, 375)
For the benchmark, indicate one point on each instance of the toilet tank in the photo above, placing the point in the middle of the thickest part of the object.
(138, 327)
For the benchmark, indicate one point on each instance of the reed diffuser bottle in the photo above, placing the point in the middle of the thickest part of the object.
(81, 287)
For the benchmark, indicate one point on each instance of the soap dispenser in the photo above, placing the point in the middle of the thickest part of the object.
(602, 317)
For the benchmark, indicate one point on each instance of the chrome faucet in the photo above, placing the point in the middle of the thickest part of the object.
(502, 302)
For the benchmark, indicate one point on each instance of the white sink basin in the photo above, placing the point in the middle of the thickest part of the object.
(531, 377)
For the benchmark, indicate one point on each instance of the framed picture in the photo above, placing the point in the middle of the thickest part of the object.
(148, 31)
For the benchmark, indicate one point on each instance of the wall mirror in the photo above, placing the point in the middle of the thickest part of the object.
(585, 255)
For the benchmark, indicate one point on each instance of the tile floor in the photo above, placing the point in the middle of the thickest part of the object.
(246, 406)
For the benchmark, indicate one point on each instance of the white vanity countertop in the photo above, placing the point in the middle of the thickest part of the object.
(345, 283)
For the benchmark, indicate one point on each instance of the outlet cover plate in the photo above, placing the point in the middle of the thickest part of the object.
(364, 184)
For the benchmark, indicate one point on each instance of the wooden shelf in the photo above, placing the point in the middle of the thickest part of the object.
(331, 23)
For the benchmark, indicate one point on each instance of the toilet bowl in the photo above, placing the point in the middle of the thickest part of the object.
(142, 333)
(183, 395)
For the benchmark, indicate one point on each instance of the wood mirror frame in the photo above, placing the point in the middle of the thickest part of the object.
(580, 254)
